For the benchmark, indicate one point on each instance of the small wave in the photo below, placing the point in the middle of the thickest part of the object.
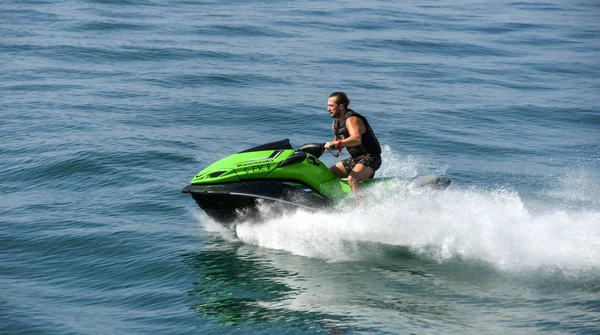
(102, 26)
(241, 31)
(434, 47)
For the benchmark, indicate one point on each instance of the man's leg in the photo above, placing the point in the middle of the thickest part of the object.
(342, 168)
(360, 172)
(338, 170)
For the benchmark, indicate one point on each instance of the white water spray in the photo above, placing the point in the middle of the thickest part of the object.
(472, 224)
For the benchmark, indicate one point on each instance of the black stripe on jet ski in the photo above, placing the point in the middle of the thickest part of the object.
(276, 153)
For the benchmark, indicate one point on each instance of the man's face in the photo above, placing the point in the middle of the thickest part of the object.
(333, 108)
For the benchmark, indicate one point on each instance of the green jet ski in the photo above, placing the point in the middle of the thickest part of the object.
(275, 173)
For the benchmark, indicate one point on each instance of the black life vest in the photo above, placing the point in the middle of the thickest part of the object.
(369, 143)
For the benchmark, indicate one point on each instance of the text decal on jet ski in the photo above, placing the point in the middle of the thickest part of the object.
(267, 161)
(256, 166)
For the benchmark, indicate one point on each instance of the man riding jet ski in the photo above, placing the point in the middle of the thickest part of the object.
(353, 132)
(275, 173)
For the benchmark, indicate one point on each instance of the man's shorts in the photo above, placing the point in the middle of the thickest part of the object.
(372, 161)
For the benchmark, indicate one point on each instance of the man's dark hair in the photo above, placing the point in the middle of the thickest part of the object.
(341, 98)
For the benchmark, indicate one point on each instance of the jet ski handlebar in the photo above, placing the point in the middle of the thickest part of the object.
(315, 149)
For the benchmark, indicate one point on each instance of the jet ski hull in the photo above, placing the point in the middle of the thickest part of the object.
(230, 202)
(238, 201)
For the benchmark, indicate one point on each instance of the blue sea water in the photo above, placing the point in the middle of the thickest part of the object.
(108, 108)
